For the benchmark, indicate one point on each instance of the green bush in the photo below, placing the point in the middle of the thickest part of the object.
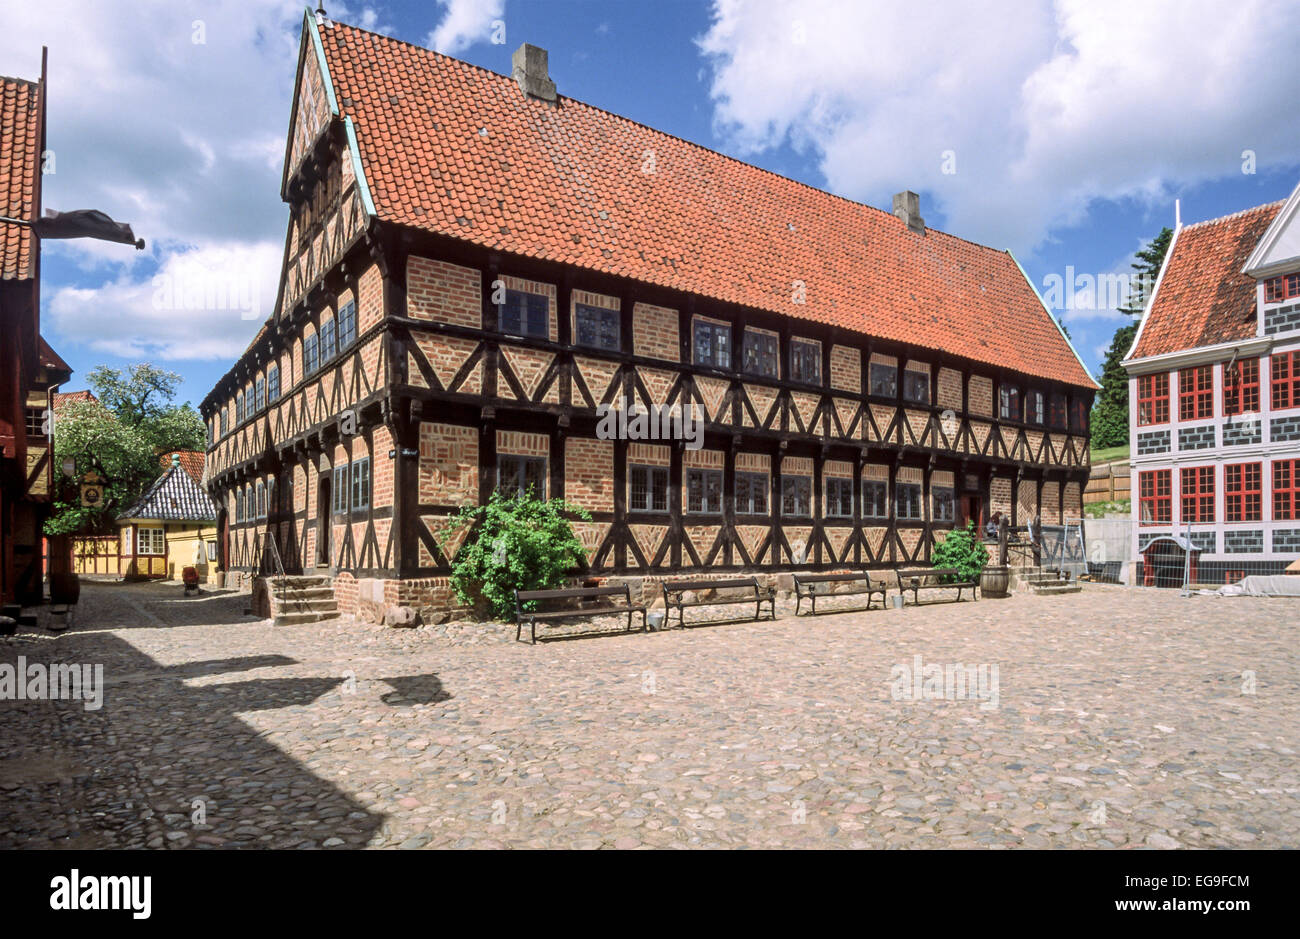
(520, 543)
(963, 550)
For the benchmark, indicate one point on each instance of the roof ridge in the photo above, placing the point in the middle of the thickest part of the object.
(1231, 215)
(663, 133)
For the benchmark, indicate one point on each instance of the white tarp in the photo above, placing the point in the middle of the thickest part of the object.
(1262, 585)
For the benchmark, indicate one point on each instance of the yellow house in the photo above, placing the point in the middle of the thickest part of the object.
(171, 527)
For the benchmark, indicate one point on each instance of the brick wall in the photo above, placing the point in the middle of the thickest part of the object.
(517, 443)
(445, 293)
(1000, 494)
(846, 369)
(448, 465)
(654, 332)
(981, 396)
(949, 389)
(589, 473)
(370, 303)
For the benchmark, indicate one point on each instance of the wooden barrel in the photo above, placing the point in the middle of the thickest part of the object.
(64, 588)
(994, 581)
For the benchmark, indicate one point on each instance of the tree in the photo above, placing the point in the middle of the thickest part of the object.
(119, 437)
(1110, 409)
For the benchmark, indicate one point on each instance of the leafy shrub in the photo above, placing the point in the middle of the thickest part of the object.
(963, 550)
(519, 543)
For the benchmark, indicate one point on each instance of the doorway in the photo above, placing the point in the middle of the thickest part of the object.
(972, 510)
(323, 526)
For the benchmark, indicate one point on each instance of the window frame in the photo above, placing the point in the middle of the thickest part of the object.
(614, 316)
(339, 490)
(1196, 393)
(519, 470)
(720, 334)
(655, 489)
(1196, 495)
(705, 476)
(1286, 492)
(272, 384)
(765, 349)
(1156, 496)
(888, 380)
(749, 479)
(840, 483)
(311, 354)
(1243, 502)
(805, 357)
(950, 515)
(146, 546)
(328, 341)
(910, 381)
(1035, 402)
(801, 488)
(1284, 392)
(526, 312)
(360, 483)
(1010, 402)
(347, 325)
(900, 490)
(1153, 399)
(1241, 395)
(884, 498)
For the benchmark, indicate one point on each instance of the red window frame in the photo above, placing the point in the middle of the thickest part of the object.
(1286, 490)
(1243, 492)
(1155, 497)
(1196, 494)
(1282, 287)
(1241, 387)
(1196, 392)
(1284, 380)
(1153, 399)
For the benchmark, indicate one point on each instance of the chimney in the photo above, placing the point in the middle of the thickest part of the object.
(529, 69)
(907, 207)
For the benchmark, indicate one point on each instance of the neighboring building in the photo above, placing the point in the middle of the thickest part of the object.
(190, 460)
(474, 264)
(1215, 392)
(171, 527)
(29, 369)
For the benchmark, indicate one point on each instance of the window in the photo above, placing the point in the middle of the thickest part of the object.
(126, 540)
(1009, 403)
(327, 349)
(649, 489)
(347, 321)
(1242, 495)
(908, 501)
(261, 499)
(1195, 393)
(1241, 387)
(239, 506)
(35, 421)
(751, 493)
(1078, 416)
(272, 384)
(339, 490)
(526, 314)
(239, 409)
(839, 497)
(260, 395)
(916, 386)
(760, 353)
(309, 354)
(361, 483)
(945, 504)
(796, 495)
(1154, 498)
(1196, 491)
(597, 327)
(1035, 407)
(521, 475)
(221, 421)
(1285, 369)
(806, 361)
(1277, 289)
(1153, 399)
(152, 541)
(884, 379)
(1056, 415)
(1286, 490)
(703, 490)
(712, 344)
(875, 498)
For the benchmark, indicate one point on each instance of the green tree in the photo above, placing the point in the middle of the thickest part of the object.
(141, 397)
(1110, 409)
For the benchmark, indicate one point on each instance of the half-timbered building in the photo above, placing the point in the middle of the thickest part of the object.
(475, 264)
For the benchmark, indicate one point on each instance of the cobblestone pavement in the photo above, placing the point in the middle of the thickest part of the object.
(1122, 719)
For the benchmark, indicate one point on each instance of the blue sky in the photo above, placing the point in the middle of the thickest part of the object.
(1072, 127)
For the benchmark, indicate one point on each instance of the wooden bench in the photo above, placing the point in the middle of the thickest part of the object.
(810, 586)
(675, 592)
(545, 597)
(917, 579)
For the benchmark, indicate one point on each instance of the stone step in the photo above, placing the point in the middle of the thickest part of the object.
(299, 580)
(302, 593)
(1053, 589)
(307, 606)
(297, 619)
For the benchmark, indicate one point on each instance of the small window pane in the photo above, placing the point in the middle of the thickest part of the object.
(597, 327)
(712, 344)
(806, 361)
(884, 380)
(760, 354)
(796, 495)
(916, 386)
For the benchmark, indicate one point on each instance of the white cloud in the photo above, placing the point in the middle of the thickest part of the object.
(465, 23)
(201, 303)
(1046, 107)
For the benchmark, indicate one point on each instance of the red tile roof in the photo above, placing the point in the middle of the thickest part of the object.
(62, 398)
(1203, 298)
(191, 462)
(19, 163)
(454, 149)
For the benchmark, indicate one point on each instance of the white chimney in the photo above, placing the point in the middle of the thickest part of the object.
(907, 207)
(529, 69)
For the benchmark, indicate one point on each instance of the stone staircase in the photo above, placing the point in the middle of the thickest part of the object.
(1045, 582)
(301, 599)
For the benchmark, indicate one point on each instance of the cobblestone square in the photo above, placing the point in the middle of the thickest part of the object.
(1109, 719)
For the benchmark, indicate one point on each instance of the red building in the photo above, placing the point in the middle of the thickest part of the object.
(29, 369)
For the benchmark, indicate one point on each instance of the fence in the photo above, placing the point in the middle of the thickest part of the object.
(96, 555)
(1108, 482)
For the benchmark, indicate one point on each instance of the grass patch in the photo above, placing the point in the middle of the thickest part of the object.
(1106, 454)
